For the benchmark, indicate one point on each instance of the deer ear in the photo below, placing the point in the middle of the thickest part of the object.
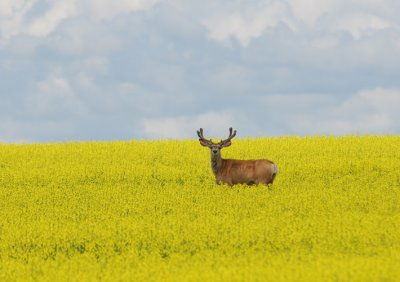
(203, 143)
(226, 144)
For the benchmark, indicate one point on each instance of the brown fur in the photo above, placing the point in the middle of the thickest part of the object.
(249, 172)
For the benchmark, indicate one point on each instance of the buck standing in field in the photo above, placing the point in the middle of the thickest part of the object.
(233, 172)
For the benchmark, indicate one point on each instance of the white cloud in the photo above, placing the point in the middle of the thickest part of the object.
(8, 7)
(106, 10)
(11, 132)
(359, 24)
(246, 25)
(54, 96)
(61, 10)
(309, 11)
(82, 37)
(14, 20)
(379, 101)
(30, 132)
(122, 61)
(213, 123)
(12, 17)
(297, 101)
(369, 111)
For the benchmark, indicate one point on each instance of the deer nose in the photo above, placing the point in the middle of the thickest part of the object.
(215, 151)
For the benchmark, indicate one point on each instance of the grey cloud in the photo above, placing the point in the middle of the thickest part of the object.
(89, 72)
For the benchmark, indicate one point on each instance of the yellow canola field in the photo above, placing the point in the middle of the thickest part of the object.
(150, 210)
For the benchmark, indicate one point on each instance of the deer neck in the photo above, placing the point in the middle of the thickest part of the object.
(216, 163)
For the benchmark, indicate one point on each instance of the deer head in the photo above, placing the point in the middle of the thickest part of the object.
(216, 147)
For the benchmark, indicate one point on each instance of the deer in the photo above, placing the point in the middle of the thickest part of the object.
(231, 171)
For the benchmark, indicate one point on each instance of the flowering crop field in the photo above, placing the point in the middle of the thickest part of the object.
(151, 210)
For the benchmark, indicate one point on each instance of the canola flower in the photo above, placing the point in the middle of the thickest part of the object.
(150, 210)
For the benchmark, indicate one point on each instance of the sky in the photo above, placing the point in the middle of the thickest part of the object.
(73, 70)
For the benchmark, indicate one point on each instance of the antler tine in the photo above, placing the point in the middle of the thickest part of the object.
(201, 136)
(231, 135)
(200, 133)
